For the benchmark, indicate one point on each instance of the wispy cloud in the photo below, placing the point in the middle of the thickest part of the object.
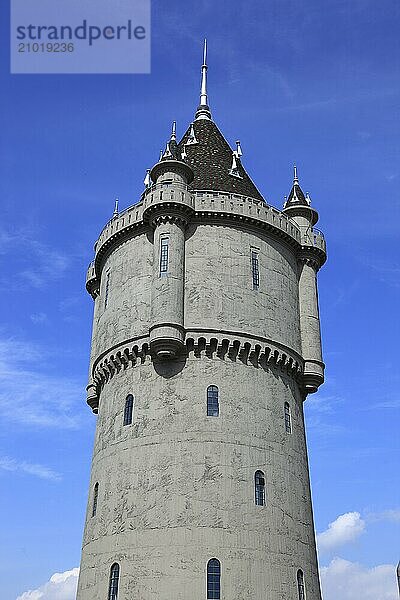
(36, 263)
(41, 471)
(384, 270)
(38, 318)
(61, 586)
(346, 528)
(392, 515)
(321, 411)
(30, 394)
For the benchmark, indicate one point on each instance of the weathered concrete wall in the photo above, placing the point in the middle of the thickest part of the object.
(219, 289)
(218, 292)
(176, 487)
(127, 314)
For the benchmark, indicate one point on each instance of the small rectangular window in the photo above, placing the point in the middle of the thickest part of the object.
(107, 289)
(288, 418)
(164, 249)
(255, 269)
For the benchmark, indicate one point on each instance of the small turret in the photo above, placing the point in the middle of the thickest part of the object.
(298, 208)
(168, 207)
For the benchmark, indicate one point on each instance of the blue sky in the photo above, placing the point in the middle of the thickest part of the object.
(311, 82)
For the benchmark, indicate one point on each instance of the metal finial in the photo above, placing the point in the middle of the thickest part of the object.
(203, 111)
(295, 178)
(115, 213)
(161, 154)
(173, 131)
(147, 179)
(239, 151)
(203, 94)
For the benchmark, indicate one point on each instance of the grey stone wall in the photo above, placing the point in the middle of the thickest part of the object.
(176, 487)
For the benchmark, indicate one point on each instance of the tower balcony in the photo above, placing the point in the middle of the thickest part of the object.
(92, 283)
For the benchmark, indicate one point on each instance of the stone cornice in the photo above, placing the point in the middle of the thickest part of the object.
(219, 345)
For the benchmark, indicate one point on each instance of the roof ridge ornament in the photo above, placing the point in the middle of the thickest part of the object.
(191, 137)
(234, 170)
(147, 179)
(173, 132)
(167, 152)
(203, 110)
(116, 212)
(239, 151)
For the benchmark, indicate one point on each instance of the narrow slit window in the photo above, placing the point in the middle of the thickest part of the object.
(128, 410)
(213, 579)
(300, 585)
(288, 418)
(95, 498)
(255, 270)
(212, 401)
(164, 252)
(114, 582)
(259, 488)
(107, 289)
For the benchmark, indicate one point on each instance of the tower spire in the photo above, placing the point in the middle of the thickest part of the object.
(203, 110)
(173, 132)
(295, 178)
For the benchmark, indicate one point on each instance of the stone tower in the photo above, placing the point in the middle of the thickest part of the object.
(206, 342)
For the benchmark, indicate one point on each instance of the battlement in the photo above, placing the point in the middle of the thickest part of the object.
(207, 204)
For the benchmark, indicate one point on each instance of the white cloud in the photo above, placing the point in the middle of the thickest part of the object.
(61, 586)
(344, 529)
(344, 580)
(30, 396)
(41, 471)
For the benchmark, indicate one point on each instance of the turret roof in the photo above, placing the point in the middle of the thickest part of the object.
(209, 155)
(296, 196)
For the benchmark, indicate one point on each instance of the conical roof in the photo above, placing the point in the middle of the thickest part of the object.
(296, 196)
(209, 155)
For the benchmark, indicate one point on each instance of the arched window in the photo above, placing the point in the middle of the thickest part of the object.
(213, 579)
(128, 412)
(114, 581)
(259, 488)
(212, 401)
(95, 497)
(300, 585)
(288, 418)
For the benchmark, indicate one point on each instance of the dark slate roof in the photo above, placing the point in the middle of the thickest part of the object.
(211, 161)
(296, 197)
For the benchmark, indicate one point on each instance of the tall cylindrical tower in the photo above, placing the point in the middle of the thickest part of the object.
(205, 345)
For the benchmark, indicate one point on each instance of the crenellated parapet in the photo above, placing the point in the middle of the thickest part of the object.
(162, 201)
